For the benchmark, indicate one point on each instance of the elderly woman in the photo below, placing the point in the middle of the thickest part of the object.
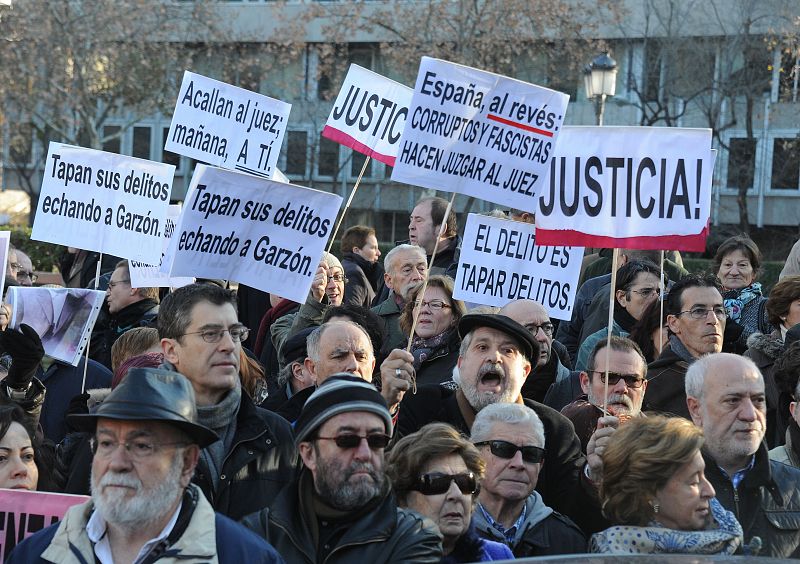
(783, 312)
(655, 490)
(435, 341)
(436, 473)
(737, 264)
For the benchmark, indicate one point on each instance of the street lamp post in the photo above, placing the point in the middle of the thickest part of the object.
(600, 80)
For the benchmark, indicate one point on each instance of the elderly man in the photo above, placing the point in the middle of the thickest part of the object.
(406, 268)
(627, 371)
(143, 507)
(494, 360)
(424, 226)
(255, 457)
(293, 377)
(341, 508)
(726, 398)
(25, 275)
(696, 318)
(510, 437)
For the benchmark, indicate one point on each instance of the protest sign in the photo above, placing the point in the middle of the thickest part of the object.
(627, 187)
(369, 114)
(103, 202)
(5, 240)
(149, 275)
(62, 317)
(266, 234)
(22, 513)
(479, 134)
(501, 262)
(227, 126)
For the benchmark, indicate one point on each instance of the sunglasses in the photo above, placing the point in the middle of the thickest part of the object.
(633, 381)
(436, 483)
(504, 449)
(375, 440)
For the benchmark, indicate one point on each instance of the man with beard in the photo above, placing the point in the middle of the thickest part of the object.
(406, 268)
(341, 508)
(726, 398)
(143, 506)
(494, 360)
(627, 372)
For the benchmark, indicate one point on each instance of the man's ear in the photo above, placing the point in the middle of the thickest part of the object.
(169, 348)
(191, 455)
(621, 296)
(308, 455)
(387, 279)
(694, 410)
(672, 323)
(309, 364)
(584, 377)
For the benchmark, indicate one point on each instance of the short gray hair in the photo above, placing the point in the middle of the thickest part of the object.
(511, 414)
(696, 373)
(285, 374)
(313, 340)
(388, 260)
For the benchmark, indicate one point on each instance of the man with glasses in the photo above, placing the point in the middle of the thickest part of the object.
(25, 274)
(696, 319)
(145, 445)
(511, 441)
(202, 339)
(341, 508)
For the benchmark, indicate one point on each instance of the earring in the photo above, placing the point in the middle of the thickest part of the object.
(655, 507)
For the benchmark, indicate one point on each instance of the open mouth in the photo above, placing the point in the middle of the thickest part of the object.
(491, 379)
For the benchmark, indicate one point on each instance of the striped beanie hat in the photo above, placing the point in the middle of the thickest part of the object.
(340, 393)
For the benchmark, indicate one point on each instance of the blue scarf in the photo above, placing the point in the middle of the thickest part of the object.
(735, 300)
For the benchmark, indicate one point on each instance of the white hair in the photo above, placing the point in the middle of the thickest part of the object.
(388, 260)
(695, 375)
(508, 413)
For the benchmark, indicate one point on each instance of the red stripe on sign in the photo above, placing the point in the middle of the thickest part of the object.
(344, 139)
(520, 125)
(568, 237)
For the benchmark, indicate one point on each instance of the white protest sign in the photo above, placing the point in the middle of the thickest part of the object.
(62, 317)
(103, 202)
(227, 126)
(369, 114)
(266, 234)
(626, 182)
(480, 134)
(148, 275)
(500, 262)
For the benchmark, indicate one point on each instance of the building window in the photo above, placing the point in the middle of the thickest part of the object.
(328, 163)
(741, 162)
(296, 153)
(357, 162)
(141, 142)
(786, 163)
(786, 75)
(169, 157)
(112, 139)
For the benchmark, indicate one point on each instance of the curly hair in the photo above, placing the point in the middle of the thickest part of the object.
(412, 453)
(444, 283)
(640, 459)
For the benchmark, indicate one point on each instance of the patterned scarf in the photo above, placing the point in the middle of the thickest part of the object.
(424, 348)
(735, 300)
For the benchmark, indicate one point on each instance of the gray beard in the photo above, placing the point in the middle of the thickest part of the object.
(347, 495)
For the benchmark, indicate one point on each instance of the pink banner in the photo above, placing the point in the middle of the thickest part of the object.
(568, 237)
(344, 139)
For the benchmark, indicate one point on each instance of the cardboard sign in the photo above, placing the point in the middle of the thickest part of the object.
(103, 202)
(622, 183)
(23, 513)
(500, 262)
(227, 126)
(480, 134)
(149, 275)
(369, 114)
(266, 234)
(63, 317)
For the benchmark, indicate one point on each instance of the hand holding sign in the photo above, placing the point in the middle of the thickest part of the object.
(320, 282)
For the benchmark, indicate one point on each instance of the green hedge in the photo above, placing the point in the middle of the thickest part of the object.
(44, 256)
(770, 270)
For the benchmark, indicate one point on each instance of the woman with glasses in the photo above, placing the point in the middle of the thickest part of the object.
(435, 341)
(655, 491)
(436, 472)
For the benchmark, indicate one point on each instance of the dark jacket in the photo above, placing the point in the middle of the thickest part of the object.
(766, 503)
(439, 366)
(562, 465)
(764, 350)
(88, 269)
(139, 314)
(389, 312)
(363, 278)
(190, 540)
(564, 391)
(262, 461)
(666, 390)
(569, 332)
(542, 378)
(385, 535)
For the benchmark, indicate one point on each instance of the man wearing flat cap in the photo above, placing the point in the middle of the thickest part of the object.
(493, 362)
(341, 509)
(146, 443)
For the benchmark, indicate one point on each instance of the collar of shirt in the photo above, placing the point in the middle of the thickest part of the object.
(512, 530)
(739, 475)
(96, 530)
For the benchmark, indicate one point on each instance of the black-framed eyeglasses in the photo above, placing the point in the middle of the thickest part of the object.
(547, 327)
(137, 449)
(507, 450)
(112, 285)
(435, 305)
(15, 266)
(27, 274)
(375, 441)
(435, 483)
(647, 292)
(631, 380)
(238, 333)
(702, 312)
(337, 278)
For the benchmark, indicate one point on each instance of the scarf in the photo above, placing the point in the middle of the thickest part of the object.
(220, 418)
(724, 538)
(735, 300)
(677, 346)
(424, 348)
(623, 318)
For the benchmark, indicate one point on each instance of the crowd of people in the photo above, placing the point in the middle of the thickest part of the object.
(384, 420)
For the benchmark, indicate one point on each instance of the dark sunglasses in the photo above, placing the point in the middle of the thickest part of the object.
(631, 380)
(504, 449)
(375, 440)
(436, 483)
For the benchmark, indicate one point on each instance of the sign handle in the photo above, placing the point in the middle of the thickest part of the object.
(421, 293)
(661, 307)
(89, 338)
(611, 301)
(347, 205)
